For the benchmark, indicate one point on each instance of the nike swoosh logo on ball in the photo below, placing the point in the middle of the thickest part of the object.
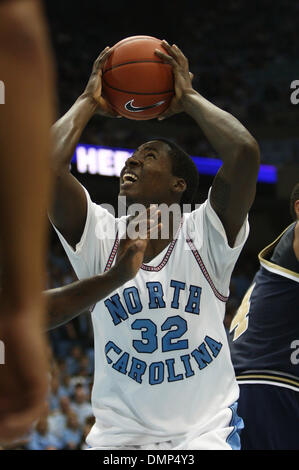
(136, 109)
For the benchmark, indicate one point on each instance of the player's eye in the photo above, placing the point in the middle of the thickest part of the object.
(150, 155)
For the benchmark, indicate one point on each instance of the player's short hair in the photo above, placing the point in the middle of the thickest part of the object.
(294, 197)
(184, 167)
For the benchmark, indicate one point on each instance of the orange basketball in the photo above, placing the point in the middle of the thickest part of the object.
(136, 82)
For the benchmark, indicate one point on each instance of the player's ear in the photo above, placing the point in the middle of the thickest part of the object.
(296, 209)
(179, 185)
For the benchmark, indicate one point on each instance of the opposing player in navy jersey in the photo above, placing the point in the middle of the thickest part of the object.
(265, 345)
(163, 373)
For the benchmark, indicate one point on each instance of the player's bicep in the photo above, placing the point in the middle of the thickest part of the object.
(232, 194)
(69, 207)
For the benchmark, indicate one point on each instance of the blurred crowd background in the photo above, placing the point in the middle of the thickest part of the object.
(244, 58)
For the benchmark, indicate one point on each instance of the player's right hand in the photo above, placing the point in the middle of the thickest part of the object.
(24, 374)
(132, 247)
(94, 86)
(182, 77)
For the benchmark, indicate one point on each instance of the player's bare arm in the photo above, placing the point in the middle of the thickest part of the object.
(66, 303)
(234, 186)
(68, 211)
(25, 119)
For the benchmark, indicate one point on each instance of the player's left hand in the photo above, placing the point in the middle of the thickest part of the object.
(94, 86)
(182, 77)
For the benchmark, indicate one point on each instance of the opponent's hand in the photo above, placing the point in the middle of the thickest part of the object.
(132, 248)
(94, 86)
(182, 77)
(24, 375)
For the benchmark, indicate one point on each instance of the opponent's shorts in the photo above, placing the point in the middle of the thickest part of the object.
(271, 417)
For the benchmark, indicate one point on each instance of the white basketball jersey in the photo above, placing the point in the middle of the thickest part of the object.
(162, 360)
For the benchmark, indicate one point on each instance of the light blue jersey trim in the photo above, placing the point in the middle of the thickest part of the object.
(234, 438)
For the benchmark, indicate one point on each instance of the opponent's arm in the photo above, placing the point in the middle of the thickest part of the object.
(68, 210)
(26, 69)
(68, 302)
(234, 186)
(25, 121)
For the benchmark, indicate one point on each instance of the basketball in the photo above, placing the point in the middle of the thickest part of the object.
(136, 83)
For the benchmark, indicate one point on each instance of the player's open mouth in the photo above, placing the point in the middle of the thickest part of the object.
(128, 179)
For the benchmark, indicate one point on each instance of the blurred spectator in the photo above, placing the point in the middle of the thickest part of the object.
(72, 434)
(57, 420)
(54, 394)
(66, 387)
(72, 361)
(80, 404)
(42, 438)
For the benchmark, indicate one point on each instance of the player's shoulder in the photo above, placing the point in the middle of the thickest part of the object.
(196, 215)
(191, 227)
(102, 220)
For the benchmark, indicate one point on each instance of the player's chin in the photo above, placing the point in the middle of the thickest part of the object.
(129, 189)
(131, 196)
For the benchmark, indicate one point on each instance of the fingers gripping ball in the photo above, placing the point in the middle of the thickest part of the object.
(136, 82)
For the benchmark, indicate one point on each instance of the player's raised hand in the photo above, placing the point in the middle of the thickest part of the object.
(182, 77)
(132, 247)
(94, 86)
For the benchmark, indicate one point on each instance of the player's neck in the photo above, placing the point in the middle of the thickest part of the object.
(155, 246)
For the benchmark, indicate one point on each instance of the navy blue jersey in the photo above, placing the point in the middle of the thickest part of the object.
(265, 329)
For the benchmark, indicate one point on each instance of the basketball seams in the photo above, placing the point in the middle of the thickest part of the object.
(137, 92)
(135, 62)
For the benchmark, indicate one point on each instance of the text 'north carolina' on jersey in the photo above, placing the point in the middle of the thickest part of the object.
(162, 361)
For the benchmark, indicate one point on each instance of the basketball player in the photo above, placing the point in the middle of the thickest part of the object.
(265, 345)
(26, 116)
(163, 373)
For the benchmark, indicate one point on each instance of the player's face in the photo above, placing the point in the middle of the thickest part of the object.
(147, 176)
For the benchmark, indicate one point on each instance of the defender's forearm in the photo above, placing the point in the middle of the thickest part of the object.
(67, 131)
(224, 132)
(25, 119)
(66, 303)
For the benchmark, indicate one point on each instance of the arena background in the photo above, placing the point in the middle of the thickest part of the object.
(243, 56)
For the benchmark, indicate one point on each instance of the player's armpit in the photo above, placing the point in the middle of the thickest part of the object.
(220, 195)
(68, 210)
